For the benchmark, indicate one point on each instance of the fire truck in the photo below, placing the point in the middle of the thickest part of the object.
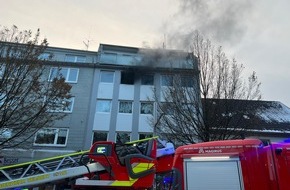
(132, 165)
(107, 165)
(248, 164)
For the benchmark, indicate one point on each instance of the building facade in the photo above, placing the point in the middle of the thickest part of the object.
(122, 104)
(114, 93)
(112, 99)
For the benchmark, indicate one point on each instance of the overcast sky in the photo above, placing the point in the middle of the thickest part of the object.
(255, 32)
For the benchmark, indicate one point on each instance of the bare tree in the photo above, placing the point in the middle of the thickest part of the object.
(205, 103)
(26, 95)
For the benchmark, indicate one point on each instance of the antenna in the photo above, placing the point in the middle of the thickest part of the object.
(87, 44)
(164, 42)
(88, 40)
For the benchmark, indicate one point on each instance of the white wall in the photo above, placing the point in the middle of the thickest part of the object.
(146, 92)
(102, 121)
(144, 124)
(124, 122)
(126, 92)
(105, 91)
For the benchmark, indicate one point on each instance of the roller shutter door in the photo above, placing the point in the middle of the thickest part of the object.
(213, 175)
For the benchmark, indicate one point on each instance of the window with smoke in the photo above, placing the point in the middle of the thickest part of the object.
(127, 78)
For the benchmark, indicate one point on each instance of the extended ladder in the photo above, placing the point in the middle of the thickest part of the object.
(37, 172)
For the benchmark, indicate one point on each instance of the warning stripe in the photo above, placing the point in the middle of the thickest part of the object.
(43, 160)
(137, 167)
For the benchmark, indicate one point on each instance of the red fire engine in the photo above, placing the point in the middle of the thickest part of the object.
(131, 165)
(107, 165)
(246, 164)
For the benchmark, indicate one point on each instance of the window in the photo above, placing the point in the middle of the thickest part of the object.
(51, 137)
(64, 105)
(122, 137)
(187, 81)
(146, 108)
(107, 76)
(166, 80)
(81, 59)
(45, 56)
(147, 80)
(2, 70)
(100, 136)
(145, 135)
(127, 78)
(75, 58)
(70, 74)
(5, 133)
(167, 108)
(108, 57)
(125, 107)
(103, 106)
(3, 98)
(9, 101)
(125, 59)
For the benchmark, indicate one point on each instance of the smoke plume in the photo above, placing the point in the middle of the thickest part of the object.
(224, 21)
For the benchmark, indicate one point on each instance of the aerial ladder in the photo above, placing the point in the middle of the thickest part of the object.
(43, 171)
(132, 165)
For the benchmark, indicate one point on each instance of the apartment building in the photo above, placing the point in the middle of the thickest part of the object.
(122, 104)
(112, 97)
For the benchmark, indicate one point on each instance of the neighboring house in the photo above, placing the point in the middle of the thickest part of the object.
(267, 120)
(272, 121)
(112, 97)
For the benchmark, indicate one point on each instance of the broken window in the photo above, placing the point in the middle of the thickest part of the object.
(127, 78)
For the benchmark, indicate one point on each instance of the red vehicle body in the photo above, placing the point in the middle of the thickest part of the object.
(248, 164)
(107, 165)
(282, 164)
(126, 166)
(232, 165)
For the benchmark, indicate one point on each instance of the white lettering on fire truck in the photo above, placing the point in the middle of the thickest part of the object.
(204, 151)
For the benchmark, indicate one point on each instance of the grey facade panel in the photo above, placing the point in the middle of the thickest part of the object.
(78, 119)
(114, 110)
(136, 108)
(92, 109)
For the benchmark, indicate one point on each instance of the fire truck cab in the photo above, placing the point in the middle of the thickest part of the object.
(132, 165)
(107, 165)
(127, 166)
(246, 164)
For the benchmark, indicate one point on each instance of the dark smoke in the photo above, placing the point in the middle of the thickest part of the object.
(224, 21)
(155, 58)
